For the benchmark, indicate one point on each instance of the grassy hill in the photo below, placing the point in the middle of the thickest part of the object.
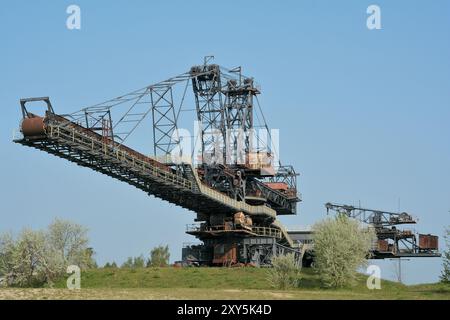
(215, 283)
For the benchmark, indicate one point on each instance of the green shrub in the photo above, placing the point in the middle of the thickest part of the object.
(445, 275)
(285, 272)
(341, 246)
(159, 257)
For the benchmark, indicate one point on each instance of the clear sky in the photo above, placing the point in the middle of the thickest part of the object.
(363, 114)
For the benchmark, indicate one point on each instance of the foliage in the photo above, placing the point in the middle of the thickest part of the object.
(341, 246)
(285, 272)
(159, 257)
(89, 259)
(111, 265)
(7, 246)
(139, 262)
(128, 263)
(133, 263)
(445, 275)
(70, 242)
(35, 258)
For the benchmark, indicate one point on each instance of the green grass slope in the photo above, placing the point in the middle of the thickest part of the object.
(216, 283)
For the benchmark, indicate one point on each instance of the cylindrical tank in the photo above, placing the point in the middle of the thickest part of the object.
(33, 127)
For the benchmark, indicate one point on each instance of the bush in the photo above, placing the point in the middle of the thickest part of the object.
(133, 263)
(285, 272)
(36, 258)
(445, 275)
(70, 240)
(128, 263)
(7, 246)
(159, 257)
(33, 261)
(341, 246)
(139, 262)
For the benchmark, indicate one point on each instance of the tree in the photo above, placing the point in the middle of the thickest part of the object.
(134, 263)
(445, 275)
(40, 257)
(90, 261)
(7, 247)
(111, 265)
(139, 262)
(285, 272)
(71, 242)
(27, 258)
(341, 246)
(32, 262)
(159, 257)
(128, 263)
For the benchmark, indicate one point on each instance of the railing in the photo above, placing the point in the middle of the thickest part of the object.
(198, 227)
(90, 143)
(267, 232)
(239, 205)
(107, 149)
(258, 231)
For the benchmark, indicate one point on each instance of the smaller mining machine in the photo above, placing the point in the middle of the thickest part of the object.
(392, 242)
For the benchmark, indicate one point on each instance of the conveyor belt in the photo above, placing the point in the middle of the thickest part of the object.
(70, 141)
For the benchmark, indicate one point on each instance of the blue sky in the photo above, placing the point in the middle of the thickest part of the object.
(363, 115)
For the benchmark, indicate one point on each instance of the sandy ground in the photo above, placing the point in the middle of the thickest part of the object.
(202, 294)
(157, 294)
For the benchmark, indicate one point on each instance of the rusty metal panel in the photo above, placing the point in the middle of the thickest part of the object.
(428, 241)
(382, 245)
(277, 185)
(225, 254)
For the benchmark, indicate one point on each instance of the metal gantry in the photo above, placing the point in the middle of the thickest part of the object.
(392, 242)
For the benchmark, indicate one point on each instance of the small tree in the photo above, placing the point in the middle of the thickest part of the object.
(341, 246)
(133, 263)
(71, 242)
(35, 258)
(139, 262)
(128, 263)
(90, 261)
(445, 275)
(285, 272)
(32, 261)
(159, 257)
(7, 247)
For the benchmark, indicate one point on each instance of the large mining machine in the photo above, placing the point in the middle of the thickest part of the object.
(231, 176)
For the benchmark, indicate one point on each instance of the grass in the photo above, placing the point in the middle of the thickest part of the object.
(215, 283)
